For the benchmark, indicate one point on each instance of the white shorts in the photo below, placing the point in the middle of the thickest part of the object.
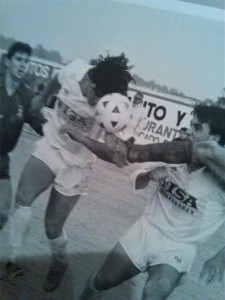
(69, 180)
(147, 246)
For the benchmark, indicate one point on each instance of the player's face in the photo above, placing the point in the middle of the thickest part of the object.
(88, 89)
(200, 132)
(18, 65)
(138, 98)
(183, 135)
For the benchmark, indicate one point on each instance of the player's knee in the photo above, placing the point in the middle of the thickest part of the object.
(23, 197)
(103, 281)
(158, 289)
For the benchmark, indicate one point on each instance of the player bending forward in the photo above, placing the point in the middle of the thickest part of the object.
(186, 207)
(62, 163)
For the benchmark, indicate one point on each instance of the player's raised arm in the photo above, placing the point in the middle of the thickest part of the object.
(119, 150)
(173, 152)
(96, 147)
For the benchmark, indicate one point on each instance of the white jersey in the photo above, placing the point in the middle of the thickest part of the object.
(188, 207)
(71, 106)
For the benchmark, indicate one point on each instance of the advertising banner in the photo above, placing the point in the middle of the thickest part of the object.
(161, 117)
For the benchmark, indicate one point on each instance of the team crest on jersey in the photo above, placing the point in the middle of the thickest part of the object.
(178, 197)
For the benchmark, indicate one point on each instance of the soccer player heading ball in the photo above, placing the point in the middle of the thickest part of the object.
(59, 161)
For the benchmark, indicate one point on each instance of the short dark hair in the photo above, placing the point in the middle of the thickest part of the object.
(111, 74)
(184, 129)
(215, 117)
(19, 47)
(139, 94)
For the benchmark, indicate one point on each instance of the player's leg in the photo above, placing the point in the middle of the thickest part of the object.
(6, 190)
(58, 210)
(35, 178)
(116, 269)
(161, 282)
(5, 201)
(171, 262)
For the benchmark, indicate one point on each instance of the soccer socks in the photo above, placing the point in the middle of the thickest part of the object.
(90, 290)
(19, 227)
(58, 248)
(59, 263)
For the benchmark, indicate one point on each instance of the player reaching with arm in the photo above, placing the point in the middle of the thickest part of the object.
(120, 152)
(59, 161)
(186, 207)
(16, 108)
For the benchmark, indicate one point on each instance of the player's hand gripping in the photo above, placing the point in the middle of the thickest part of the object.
(159, 173)
(204, 150)
(119, 148)
(213, 268)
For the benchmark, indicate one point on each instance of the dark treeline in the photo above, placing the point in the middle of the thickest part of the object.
(152, 85)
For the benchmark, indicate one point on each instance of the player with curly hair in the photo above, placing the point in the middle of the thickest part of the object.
(61, 162)
(186, 206)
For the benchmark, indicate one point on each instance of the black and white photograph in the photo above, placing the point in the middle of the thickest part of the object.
(112, 149)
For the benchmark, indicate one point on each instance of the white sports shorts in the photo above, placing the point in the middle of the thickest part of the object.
(147, 246)
(69, 180)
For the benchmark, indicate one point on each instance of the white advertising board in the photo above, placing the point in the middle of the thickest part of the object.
(162, 117)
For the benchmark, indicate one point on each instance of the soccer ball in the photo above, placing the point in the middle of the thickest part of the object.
(113, 112)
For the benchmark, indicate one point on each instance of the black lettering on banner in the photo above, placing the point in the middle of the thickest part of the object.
(147, 124)
(180, 117)
(54, 72)
(39, 70)
(45, 72)
(160, 113)
(152, 126)
(159, 130)
(175, 132)
(151, 105)
(149, 137)
(168, 132)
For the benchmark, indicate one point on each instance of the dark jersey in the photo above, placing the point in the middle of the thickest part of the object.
(15, 110)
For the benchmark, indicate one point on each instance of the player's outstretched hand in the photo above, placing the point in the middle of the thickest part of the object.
(213, 269)
(159, 173)
(119, 148)
(203, 151)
